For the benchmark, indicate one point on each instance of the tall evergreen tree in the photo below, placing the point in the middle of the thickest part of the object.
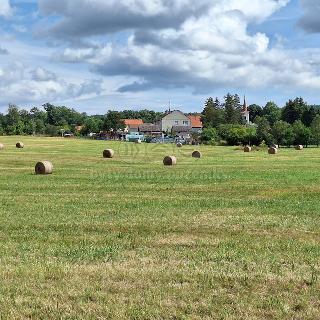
(232, 108)
(308, 115)
(294, 110)
(207, 113)
(213, 114)
(255, 111)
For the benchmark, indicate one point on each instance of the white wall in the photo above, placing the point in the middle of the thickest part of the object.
(175, 118)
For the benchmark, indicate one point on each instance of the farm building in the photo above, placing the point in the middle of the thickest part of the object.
(132, 125)
(182, 132)
(150, 129)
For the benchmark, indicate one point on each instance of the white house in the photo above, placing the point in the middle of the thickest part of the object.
(173, 120)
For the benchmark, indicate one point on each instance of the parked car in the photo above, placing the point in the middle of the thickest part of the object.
(68, 135)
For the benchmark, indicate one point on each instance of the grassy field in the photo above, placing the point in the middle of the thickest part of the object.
(228, 236)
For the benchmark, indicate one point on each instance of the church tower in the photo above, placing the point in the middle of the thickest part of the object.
(245, 112)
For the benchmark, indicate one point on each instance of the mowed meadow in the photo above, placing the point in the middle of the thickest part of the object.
(232, 235)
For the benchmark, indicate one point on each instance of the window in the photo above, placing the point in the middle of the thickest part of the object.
(176, 123)
(185, 123)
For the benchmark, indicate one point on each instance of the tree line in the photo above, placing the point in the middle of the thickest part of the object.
(295, 123)
(52, 120)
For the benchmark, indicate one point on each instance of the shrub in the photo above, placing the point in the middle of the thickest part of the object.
(283, 133)
(209, 136)
(238, 134)
(52, 130)
(302, 134)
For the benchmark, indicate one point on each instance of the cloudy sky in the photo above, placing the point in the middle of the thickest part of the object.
(96, 55)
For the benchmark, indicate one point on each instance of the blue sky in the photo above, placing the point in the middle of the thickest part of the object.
(98, 55)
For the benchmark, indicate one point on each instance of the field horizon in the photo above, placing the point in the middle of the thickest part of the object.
(232, 235)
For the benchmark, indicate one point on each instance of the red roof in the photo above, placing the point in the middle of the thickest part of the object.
(245, 107)
(132, 122)
(195, 121)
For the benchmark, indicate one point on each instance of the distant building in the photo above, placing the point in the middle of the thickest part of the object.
(245, 112)
(182, 132)
(132, 125)
(175, 123)
(150, 129)
(196, 123)
(175, 119)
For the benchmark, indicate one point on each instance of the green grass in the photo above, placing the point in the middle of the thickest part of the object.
(228, 236)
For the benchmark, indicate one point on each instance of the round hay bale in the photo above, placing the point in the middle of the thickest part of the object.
(179, 145)
(43, 167)
(108, 153)
(138, 141)
(1, 146)
(299, 147)
(19, 145)
(170, 161)
(272, 150)
(196, 154)
(247, 149)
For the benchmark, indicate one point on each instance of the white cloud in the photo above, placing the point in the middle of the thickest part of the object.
(203, 45)
(5, 9)
(41, 74)
(87, 18)
(20, 83)
(73, 55)
(207, 50)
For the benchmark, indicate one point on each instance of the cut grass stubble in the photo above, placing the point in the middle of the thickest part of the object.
(231, 235)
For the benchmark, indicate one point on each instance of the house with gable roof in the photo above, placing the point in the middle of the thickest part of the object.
(196, 123)
(178, 123)
(132, 125)
(173, 120)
